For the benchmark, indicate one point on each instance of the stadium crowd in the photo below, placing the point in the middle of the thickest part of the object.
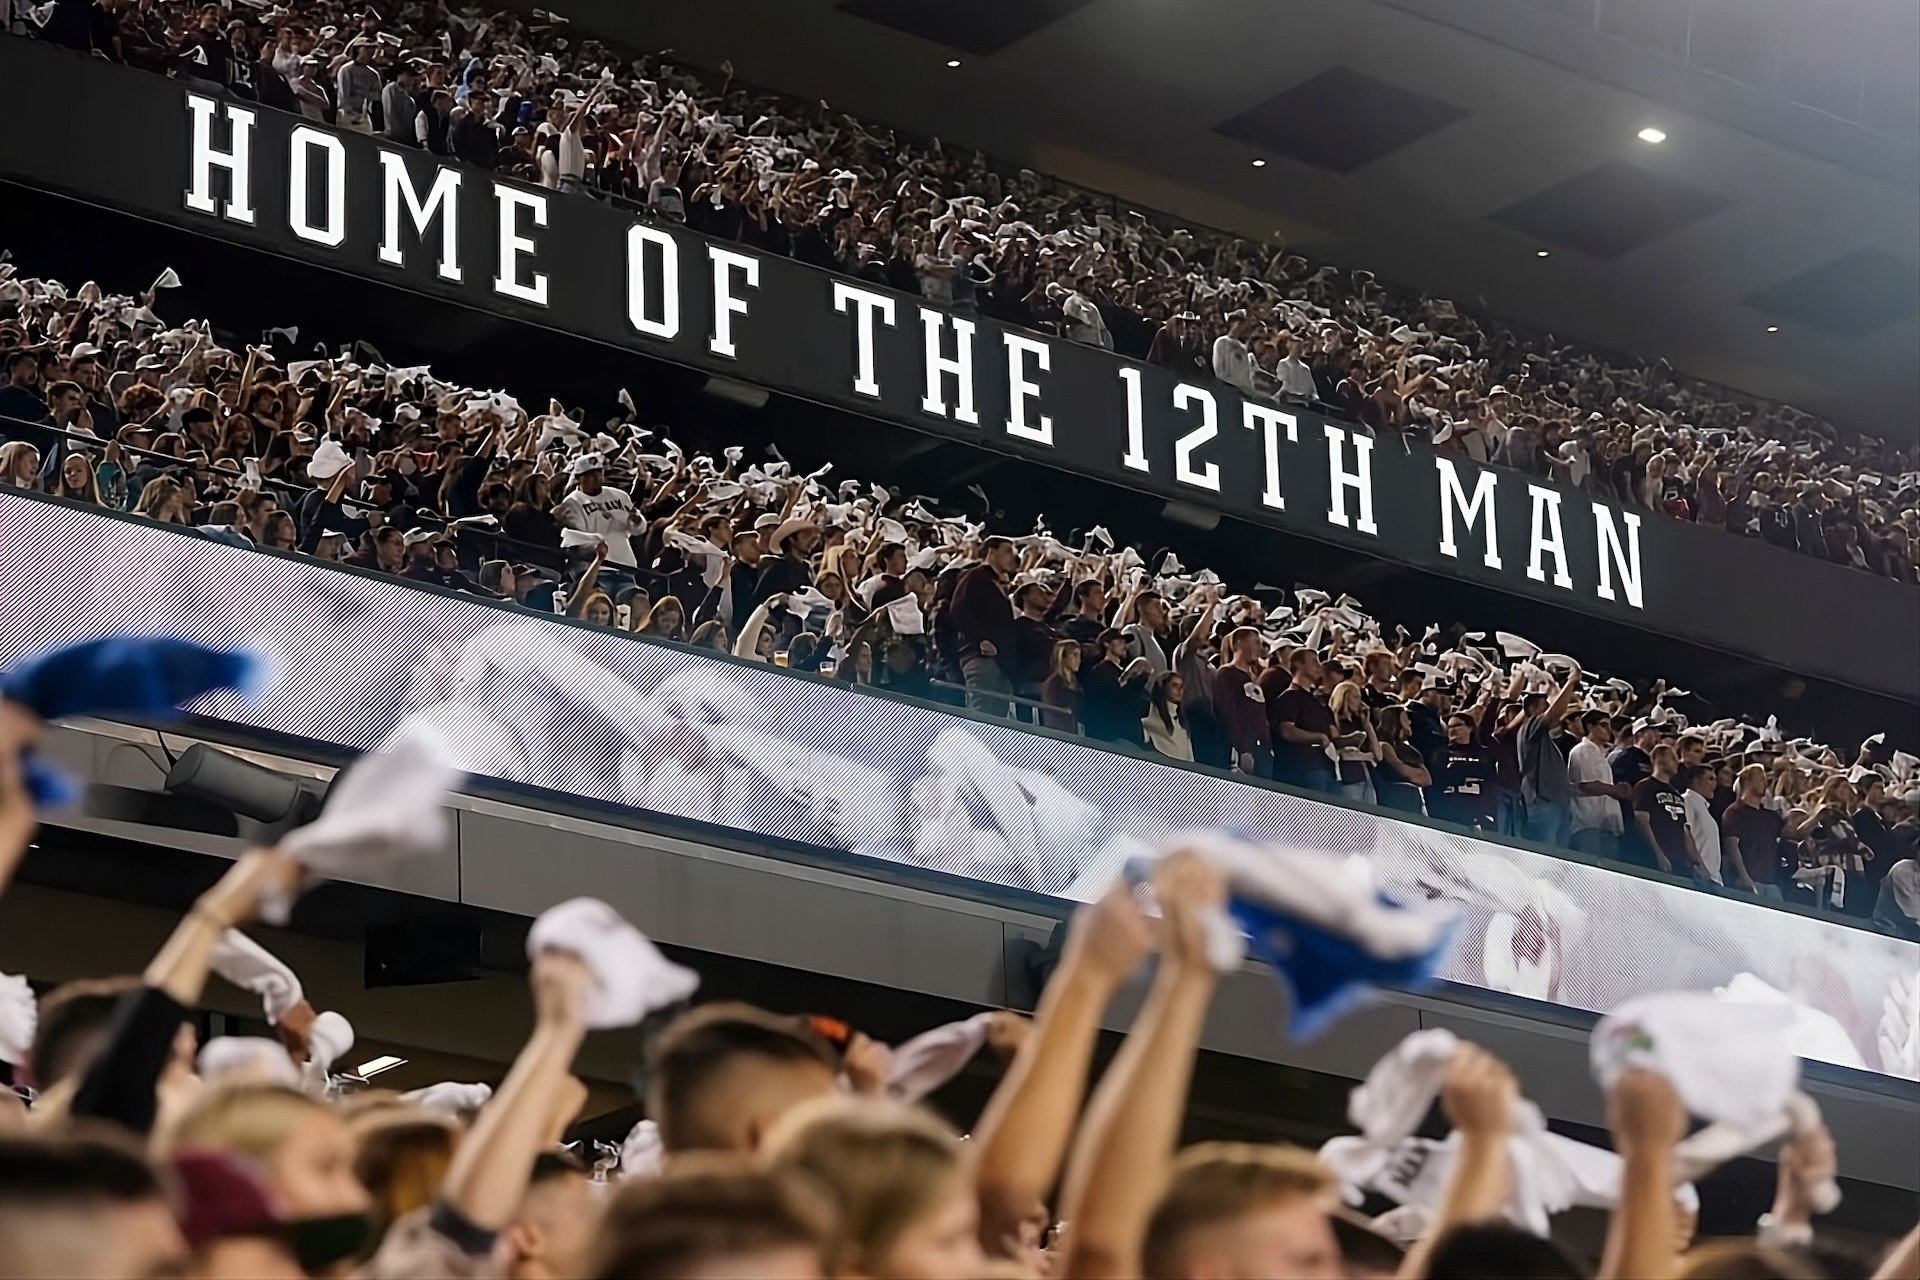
(395, 471)
(527, 96)
(789, 1147)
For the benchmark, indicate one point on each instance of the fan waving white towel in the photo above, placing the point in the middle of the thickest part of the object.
(630, 977)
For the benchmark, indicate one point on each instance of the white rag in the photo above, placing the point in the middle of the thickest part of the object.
(934, 1057)
(328, 1040)
(251, 967)
(246, 1060)
(630, 977)
(1814, 1034)
(1728, 1061)
(1834, 880)
(19, 1018)
(387, 805)
(449, 1098)
(1732, 1062)
(643, 1154)
(1551, 1173)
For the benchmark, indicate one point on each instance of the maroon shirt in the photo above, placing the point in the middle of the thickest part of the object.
(1758, 831)
(979, 611)
(1238, 706)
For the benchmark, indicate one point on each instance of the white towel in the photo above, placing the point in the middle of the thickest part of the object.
(1814, 1033)
(251, 967)
(643, 1154)
(1551, 1173)
(386, 805)
(449, 1098)
(1831, 881)
(328, 1040)
(1731, 1061)
(934, 1057)
(246, 1060)
(1728, 1061)
(630, 977)
(19, 1018)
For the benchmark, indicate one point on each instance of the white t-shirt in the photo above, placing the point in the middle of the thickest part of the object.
(608, 514)
(1706, 833)
(1587, 762)
(1295, 378)
(573, 155)
(1232, 362)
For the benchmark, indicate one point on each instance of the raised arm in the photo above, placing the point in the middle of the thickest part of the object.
(1477, 1097)
(19, 730)
(748, 643)
(1563, 699)
(490, 1169)
(1648, 1121)
(1023, 1133)
(1126, 1143)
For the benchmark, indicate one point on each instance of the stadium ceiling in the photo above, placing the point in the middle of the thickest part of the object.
(1766, 243)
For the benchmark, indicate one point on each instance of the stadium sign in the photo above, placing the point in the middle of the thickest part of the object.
(893, 356)
(402, 216)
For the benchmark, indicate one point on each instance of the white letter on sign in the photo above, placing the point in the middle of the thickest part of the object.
(237, 160)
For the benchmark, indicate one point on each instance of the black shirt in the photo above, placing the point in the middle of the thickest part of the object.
(1666, 808)
(1394, 791)
(1757, 830)
(1109, 710)
(1465, 782)
(1630, 765)
(1301, 762)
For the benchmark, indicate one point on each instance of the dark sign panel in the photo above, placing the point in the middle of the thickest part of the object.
(263, 178)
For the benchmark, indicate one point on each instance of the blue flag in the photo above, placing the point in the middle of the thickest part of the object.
(145, 676)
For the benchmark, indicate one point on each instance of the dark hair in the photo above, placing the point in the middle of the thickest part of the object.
(1498, 1252)
(680, 1223)
(995, 543)
(1084, 588)
(688, 1056)
(1691, 773)
(1594, 717)
(40, 1173)
(69, 1017)
(1107, 637)
(549, 1165)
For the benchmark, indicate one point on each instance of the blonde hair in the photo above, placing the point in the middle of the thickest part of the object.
(1217, 1182)
(1343, 693)
(250, 1120)
(401, 1155)
(884, 1166)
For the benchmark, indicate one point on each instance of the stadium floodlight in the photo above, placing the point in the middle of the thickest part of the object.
(1651, 134)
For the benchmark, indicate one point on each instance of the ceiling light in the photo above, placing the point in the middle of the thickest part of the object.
(1259, 164)
(1540, 253)
(1773, 328)
(1651, 134)
(953, 62)
(374, 1066)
